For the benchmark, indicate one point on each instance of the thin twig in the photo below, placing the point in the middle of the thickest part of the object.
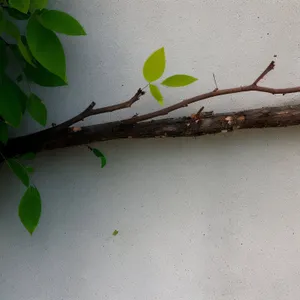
(247, 88)
(215, 82)
(91, 111)
(269, 68)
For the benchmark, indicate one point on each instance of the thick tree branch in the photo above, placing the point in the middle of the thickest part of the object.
(205, 123)
(136, 127)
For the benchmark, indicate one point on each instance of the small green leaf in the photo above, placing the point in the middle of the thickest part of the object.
(30, 209)
(30, 170)
(37, 4)
(154, 66)
(179, 80)
(3, 58)
(20, 5)
(25, 52)
(16, 14)
(61, 22)
(46, 48)
(11, 101)
(42, 76)
(12, 30)
(3, 133)
(19, 170)
(28, 156)
(101, 156)
(37, 109)
(156, 93)
(115, 233)
(2, 20)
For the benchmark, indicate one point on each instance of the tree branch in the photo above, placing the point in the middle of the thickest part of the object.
(206, 123)
(218, 92)
(268, 69)
(198, 124)
(91, 111)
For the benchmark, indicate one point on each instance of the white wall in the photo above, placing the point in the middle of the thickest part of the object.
(216, 217)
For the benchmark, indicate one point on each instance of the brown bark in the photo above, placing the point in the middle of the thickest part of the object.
(144, 126)
(202, 124)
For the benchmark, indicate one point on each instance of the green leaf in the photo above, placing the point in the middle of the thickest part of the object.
(2, 20)
(115, 233)
(154, 66)
(16, 14)
(37, 4)
(30, 209)
(42, 76)
(101, 156)
(3, 58)
(61, 22)
(11, 101)
(156, 94)
(30, 170)
(11, 29)
(19, 170)
(20, 5)
(28, 156)
(179, 80)
(25, 52)
(46, 48)
(37, 109)
(3, 133)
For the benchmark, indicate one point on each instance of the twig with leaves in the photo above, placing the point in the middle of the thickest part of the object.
(36, 62)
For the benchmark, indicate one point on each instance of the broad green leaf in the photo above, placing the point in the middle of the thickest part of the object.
(46, 48)
(154, 66)
(11, 101)
(42, 76)
(16, 14)
(37, 4)
(156, 94)
(61, 22)
(115, 233)
(28, 156)
(179, 80)
(3, 133)
(30, 170)
(30, 209)
(101, 156)
(37, 109)
(19, 170)
(3, 58)
(20, 5)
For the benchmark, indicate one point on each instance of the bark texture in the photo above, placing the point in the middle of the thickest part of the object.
(197, 125)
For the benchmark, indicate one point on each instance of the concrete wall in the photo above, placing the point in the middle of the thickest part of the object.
(216, 217)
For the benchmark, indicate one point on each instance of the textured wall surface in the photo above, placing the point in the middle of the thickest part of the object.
(216, 217)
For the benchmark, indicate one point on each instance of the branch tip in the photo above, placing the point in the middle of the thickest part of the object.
(269, 68)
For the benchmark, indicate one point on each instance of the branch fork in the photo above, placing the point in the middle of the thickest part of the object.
(65, 134)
